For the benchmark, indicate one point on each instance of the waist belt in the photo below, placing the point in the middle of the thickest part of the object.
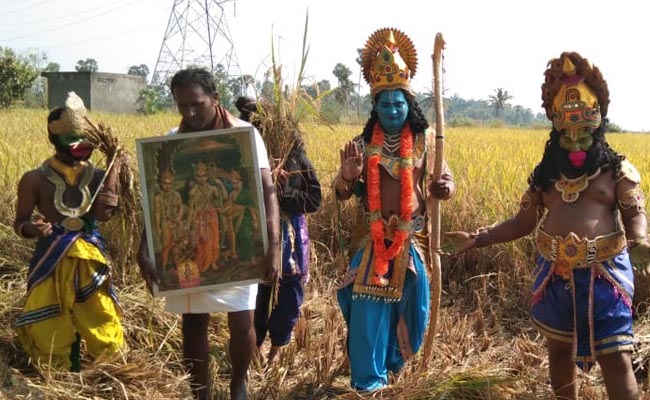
(574, 252)
(418, 223)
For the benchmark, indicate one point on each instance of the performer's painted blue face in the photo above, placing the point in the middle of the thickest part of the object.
(392, 110)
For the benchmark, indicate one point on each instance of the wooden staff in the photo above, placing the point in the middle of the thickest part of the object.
(435, 148)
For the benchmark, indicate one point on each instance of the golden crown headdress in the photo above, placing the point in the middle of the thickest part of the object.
(72, 119)
(389, 61)
(574, 93)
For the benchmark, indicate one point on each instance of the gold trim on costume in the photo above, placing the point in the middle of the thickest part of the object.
(633, 198)
(628, 171)
(73, 221)
(392, 292)
(574, 93)
(526, 201)
(562, 336)
(614, 349)
(612, 339)
(571, 188)
(388, 61)
(571, 252)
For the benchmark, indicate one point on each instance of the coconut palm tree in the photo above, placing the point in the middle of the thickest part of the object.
(499, 100)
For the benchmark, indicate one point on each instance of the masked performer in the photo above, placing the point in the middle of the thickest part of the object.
(577, 194)
(69, 291)
(384, 296)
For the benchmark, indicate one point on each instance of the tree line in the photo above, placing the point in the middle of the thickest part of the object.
(23, 84)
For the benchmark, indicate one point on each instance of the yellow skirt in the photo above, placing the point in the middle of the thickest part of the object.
(67, 304)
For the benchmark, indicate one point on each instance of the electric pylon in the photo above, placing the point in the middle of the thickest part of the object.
(197, 35)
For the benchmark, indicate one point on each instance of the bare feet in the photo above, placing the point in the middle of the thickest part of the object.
(259, 357)
(275, 350)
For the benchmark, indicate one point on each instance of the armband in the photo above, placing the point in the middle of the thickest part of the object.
(633, 198)
(528, 199)
(108, 199)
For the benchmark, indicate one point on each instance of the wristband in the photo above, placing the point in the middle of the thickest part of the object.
(342, 185)
(483, 238)
(108, 199)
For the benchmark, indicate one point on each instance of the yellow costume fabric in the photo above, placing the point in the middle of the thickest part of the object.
(92, 314)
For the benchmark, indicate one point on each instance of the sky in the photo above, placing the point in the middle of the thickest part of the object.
(490, 44)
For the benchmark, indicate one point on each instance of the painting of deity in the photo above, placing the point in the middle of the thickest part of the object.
(203, 209)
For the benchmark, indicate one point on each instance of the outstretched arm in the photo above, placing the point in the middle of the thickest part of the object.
(521, 224)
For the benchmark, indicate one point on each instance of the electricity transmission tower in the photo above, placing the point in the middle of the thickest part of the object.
(197, 35)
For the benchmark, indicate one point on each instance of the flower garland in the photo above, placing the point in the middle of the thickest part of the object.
(383, 254)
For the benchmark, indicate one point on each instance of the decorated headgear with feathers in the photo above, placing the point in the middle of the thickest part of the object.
(574, 93)
(389, 61)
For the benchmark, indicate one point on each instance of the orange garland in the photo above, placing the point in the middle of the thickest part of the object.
(383, 254)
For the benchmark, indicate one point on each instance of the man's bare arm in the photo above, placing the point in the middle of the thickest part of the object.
(272, 210)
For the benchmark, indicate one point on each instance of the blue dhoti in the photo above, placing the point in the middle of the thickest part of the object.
(384, 332)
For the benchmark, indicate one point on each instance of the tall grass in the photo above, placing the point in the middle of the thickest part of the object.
(484, 349)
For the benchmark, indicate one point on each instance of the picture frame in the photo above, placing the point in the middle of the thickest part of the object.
(203, 207)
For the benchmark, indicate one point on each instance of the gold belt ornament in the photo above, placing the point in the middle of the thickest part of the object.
(571, 252)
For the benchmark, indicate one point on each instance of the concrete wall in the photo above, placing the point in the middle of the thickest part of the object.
(100, 91)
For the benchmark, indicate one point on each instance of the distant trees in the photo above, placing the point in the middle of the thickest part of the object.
(87, 65)
(139, 70)
(498, 100)
(16, 75)
(344, 91)
(52, 67)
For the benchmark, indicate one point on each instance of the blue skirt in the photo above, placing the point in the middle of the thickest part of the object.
(592, 309)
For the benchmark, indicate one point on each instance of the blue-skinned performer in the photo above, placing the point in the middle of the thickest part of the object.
(384, 296)
(587, 210)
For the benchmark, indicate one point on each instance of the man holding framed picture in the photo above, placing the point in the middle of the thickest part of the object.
(197, 100)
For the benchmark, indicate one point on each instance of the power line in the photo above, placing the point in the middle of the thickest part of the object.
(102, 37)
(55, 18)
(69, 24)
(28, 8)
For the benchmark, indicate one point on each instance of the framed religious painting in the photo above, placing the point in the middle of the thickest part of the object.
(203, 209)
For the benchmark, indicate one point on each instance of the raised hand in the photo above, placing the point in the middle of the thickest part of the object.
(351, 162)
